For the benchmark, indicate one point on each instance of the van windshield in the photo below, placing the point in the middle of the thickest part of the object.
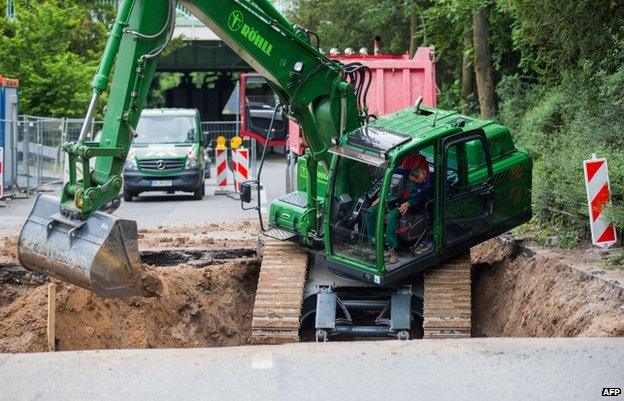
(165, 130)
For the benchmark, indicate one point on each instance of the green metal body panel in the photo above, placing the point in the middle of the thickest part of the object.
(511, 176)
(322, 177)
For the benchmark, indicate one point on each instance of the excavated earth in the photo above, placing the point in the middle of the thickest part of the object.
(210, 273)
(526, 291)
(209, 281)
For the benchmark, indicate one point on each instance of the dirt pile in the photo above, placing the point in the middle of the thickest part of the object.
(198, 308)
(518, 292)
(8, 251)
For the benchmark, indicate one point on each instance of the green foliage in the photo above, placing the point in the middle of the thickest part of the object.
(563, 125)
(354, 23)
(556, 35)
(616, 259)
(559, 68)
(53, 48)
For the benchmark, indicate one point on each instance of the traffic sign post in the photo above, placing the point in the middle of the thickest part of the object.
(598, 197)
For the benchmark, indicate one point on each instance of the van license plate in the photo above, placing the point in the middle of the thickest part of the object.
(162, 184)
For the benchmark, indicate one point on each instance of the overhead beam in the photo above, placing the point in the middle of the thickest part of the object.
(198, 56)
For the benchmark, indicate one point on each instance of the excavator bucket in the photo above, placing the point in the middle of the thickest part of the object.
(100, 254)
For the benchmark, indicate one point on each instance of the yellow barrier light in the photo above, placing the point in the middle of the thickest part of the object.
(236, 142)
(221, 143)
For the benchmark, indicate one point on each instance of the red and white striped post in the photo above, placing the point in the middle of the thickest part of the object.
(222, 171)
(241, 163)
(598, 196)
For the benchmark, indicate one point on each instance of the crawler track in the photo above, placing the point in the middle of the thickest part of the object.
(277, 310)
(448, 299)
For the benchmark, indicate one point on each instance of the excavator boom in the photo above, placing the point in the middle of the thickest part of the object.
(70, 238)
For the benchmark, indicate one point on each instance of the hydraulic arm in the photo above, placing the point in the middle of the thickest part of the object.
(312, 87)
(98, 251)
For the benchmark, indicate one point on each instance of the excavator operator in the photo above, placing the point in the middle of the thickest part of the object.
(416, 192)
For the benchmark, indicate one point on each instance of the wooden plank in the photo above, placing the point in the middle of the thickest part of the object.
(51, 331)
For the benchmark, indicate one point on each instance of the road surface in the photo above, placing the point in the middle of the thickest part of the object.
(477, 369)
(159, 209)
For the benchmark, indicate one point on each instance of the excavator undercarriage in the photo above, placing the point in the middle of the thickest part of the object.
(283, 306)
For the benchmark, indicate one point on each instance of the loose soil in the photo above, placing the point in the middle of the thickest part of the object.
(209, 276)
(527, 291)
(207, 298)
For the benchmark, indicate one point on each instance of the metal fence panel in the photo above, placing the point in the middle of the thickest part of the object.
(230, 129)
(41, 162)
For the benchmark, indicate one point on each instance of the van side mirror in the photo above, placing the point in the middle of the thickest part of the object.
(245, 192)
(206, 139)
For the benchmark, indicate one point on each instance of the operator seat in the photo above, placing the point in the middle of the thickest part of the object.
(416, 160)
(412, 225)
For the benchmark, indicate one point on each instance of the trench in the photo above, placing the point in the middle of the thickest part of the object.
(521, 292)
(207, 301)
(208, 297)
(198, 258)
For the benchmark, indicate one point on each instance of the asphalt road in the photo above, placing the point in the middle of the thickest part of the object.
(478, 369)
(159, 209)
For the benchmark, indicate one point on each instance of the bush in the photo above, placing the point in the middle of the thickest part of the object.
(563, 125)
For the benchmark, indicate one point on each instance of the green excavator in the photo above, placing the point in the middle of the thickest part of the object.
(362, 247)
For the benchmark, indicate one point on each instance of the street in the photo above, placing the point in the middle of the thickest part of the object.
(159, 209)
(477, 369)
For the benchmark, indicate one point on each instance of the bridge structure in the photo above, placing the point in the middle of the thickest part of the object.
(204, 51)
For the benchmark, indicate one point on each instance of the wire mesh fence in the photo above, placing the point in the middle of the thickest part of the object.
(40, 160)
(40, 163)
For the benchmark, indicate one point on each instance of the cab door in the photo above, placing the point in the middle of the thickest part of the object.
(467, 189)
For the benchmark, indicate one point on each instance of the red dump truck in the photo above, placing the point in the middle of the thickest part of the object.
(397, 82)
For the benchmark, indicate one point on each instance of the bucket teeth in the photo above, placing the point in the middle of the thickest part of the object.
(100, 254)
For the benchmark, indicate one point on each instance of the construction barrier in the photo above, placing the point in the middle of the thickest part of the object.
(598, 196)
(222, 168)
(241, 164)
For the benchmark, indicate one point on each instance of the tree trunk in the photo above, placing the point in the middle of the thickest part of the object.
(483, 64)
(468, 74)
(413, 31)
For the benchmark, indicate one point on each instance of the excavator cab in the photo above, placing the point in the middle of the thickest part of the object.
(459, 211)
(366, 212)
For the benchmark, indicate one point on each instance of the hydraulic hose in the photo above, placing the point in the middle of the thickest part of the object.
(262, 160)
(101, 79)
(171, 12)
(171, 25)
